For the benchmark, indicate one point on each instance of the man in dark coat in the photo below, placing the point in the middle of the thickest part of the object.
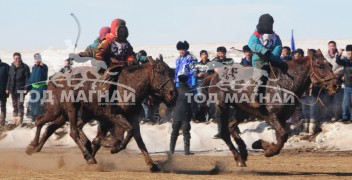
(4, 73)
(18, 76)
(37, 85)
(182, 115)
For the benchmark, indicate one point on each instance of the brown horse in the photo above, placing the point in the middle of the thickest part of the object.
(311, 69)
(153, 78)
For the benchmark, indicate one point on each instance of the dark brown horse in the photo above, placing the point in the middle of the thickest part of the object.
(311, 69)
(153, 78)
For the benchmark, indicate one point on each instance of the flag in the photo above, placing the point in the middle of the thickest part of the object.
(293, 48)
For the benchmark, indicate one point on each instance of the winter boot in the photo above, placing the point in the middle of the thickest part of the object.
(187, 147)
(2, 119)
(305, 125)
(312, 126)
(173, 140)
(14, 119)
(19, 120)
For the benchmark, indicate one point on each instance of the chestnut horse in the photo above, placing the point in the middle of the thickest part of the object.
(313, 68)
(153, 78)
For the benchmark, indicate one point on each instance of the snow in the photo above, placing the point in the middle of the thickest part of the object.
(334, 137)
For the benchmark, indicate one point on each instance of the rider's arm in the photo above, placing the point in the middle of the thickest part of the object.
(276, 52)
(87, 53)
(130, 53)
(102, 50)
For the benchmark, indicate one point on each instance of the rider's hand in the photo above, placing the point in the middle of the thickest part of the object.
(267, 55)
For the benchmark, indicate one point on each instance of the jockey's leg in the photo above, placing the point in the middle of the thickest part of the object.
(110, 76)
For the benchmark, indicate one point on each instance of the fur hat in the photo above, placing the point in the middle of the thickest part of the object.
(349, 47)
(182, 45)
(221, 49)
(265, 24)
(246, 49)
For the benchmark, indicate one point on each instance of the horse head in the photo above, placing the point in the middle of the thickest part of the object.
(320, 71)
(161, 81)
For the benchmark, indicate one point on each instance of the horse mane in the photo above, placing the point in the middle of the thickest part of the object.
(293, 63)
(135, 68)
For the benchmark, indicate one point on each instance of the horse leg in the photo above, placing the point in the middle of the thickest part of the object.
(272, 149)
(59, 122)
(40, 121)
(137, 136)
(101, 133)
(121, 125)
(77, 136)
(235, 132)
(225, 134)
(83, 120)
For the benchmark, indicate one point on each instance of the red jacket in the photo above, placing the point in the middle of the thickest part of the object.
(111, 50)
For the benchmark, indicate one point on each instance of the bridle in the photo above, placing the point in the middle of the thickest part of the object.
(313, 73)
(160, 88)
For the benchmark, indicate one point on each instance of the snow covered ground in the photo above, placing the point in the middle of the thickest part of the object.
(334, 136)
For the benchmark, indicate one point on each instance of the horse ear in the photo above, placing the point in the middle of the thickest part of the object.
(161, 58)
(309, 53)
(319, 52)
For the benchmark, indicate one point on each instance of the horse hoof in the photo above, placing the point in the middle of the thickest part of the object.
(270, 153)
(91, 161)
(96, 141)
(114, 150)
(30, 149)
(154, 168)
(241, 164)
(257, 145)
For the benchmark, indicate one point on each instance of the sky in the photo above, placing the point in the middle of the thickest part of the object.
(40, 24)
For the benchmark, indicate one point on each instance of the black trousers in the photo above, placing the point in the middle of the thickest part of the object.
(3, 99)
(176, 126)
(17, 103)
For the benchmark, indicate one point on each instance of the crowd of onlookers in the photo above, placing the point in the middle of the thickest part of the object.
(16, 81)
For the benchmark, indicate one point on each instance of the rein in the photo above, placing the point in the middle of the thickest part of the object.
(160, 87)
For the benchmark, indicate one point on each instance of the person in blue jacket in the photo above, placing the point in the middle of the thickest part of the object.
(37, 84)
(185, 61)
(266, 47)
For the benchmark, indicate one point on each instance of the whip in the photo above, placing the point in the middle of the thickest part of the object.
(79, 30)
